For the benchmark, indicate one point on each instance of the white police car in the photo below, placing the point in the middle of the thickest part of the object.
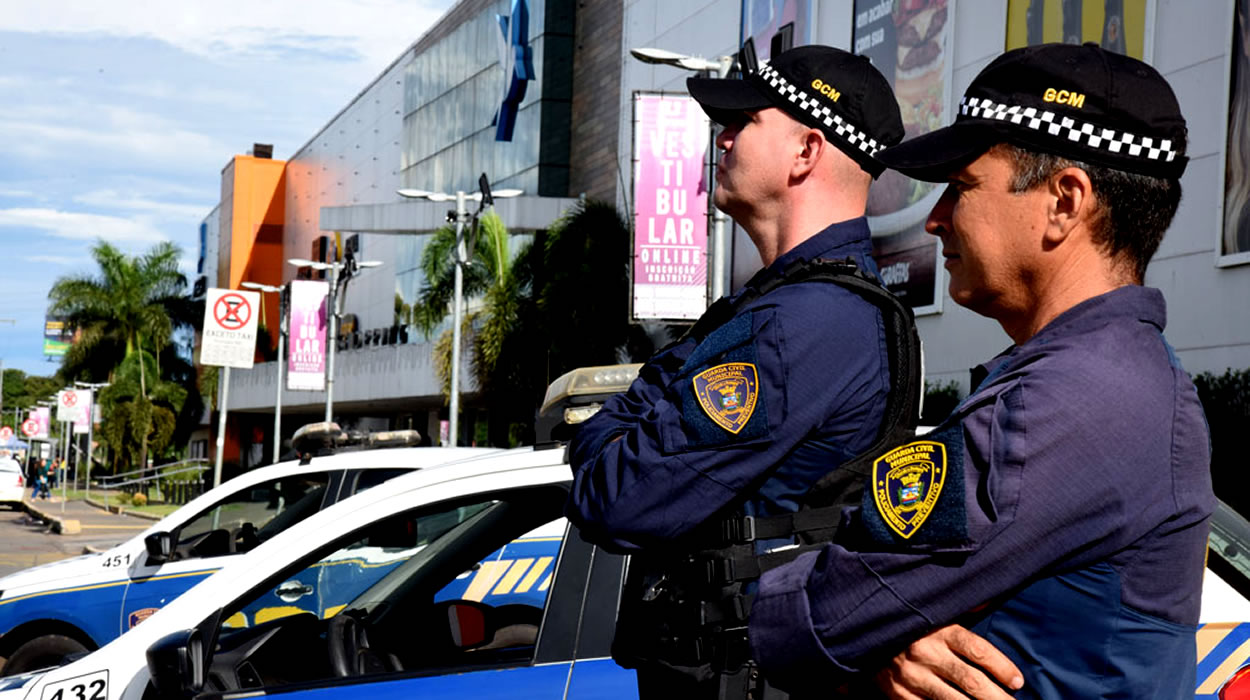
(76, 605)
(486, 591)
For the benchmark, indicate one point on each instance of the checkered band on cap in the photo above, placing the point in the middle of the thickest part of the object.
(819, 111)
(1048, 122)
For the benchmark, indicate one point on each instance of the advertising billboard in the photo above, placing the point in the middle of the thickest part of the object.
(306, 360)
(1121, 26)
(669, 262)
(56, 337)
(910, 42)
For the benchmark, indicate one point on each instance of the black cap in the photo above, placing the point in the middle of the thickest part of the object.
(825, 88)
(1079, 102)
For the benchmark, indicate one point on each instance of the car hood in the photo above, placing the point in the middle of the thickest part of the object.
(59, 574)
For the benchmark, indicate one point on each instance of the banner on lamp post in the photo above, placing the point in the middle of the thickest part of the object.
(86, 398)
(42, 418)
(306, 363)
(669, 264)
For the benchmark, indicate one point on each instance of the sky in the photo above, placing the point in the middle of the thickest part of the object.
(117, 117)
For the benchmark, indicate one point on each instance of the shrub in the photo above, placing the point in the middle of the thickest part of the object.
(139, 499)
(1226, 401)
(939, 400)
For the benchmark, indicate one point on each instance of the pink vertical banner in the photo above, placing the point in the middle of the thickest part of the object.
(306, 363)
(86, 399)
(669, 272)
(43, 418)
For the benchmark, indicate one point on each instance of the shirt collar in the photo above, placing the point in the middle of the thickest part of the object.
(853, 232)
(1133, 302)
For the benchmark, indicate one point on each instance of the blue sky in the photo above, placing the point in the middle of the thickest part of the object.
(117, 117)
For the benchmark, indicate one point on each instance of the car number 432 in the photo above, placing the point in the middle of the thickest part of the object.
(93, 686)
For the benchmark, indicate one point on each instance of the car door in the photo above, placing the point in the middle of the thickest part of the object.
(232, 525)
(441, 558)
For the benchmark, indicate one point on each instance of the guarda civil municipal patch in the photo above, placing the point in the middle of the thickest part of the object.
(907, 482)
(728, 393)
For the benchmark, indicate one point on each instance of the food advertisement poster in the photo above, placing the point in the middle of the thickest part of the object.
(910, 42)
(669, 265)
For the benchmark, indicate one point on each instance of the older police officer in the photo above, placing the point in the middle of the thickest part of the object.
(1062, 510)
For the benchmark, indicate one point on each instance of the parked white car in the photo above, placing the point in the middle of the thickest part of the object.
(484, 590)
(12, 483)
(76, 605)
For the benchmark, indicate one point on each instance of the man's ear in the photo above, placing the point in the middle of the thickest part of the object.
(810, 146)
(1072, 203)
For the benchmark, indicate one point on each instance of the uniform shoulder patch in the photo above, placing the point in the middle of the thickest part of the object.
(907, 482)
(728, 394)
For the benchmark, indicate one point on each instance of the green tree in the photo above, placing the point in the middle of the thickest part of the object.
(139, 419)
(561, 302)
(489, 275)
(125, 315)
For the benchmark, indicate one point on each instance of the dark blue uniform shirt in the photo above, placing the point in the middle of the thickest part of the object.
(1071, 530)
(789, 388)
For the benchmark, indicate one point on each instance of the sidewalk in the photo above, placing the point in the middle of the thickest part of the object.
(85, 516)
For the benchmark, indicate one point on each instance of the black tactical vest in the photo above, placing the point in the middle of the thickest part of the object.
(685, 609)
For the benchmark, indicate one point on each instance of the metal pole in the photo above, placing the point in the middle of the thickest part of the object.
(718, 222)
(64, 463)
(223, 392)
(90, 436)
(332, 307)
(277, 403)
(456, 312)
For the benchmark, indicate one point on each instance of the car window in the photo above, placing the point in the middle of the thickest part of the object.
(250, 516)
(368, 478)
(435, 590)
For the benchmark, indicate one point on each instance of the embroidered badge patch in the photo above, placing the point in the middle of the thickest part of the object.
(728, 393)
(906, 484)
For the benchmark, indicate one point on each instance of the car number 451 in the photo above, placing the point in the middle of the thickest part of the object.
(93, 686)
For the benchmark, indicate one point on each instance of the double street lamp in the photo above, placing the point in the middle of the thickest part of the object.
(484, 197)
(340, 273)
(718, 68)
(277, 404)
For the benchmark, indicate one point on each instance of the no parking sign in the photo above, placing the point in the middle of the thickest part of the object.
(229, 338)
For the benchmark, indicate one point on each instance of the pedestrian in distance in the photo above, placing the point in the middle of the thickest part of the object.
(1062, 510)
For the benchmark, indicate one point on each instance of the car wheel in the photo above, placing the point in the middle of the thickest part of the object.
(41, 652)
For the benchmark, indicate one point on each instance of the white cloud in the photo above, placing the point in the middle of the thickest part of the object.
(375, 30)
(117, 129)
(82, 227)
(118, 200)
(56, 259)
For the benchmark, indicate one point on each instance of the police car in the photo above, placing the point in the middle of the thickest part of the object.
(76, 605)
(486, 591)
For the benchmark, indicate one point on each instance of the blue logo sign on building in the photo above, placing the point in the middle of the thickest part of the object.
(517, 59)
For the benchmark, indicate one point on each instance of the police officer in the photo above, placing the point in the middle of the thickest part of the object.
(1062, 511)
(757, 403)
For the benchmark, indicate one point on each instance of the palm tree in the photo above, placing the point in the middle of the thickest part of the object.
(489, 275)
(126, 314)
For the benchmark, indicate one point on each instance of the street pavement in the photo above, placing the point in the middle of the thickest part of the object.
(29, 537)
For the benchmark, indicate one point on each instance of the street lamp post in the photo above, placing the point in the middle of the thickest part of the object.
(718, 68)
(344, 271)
(484, 197)
(282, 330)
(90, 427)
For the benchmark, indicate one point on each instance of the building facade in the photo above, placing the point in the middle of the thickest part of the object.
(430, 121)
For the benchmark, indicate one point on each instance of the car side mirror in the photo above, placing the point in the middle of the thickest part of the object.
(160, 546)
(470, 623)
(176, 663)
